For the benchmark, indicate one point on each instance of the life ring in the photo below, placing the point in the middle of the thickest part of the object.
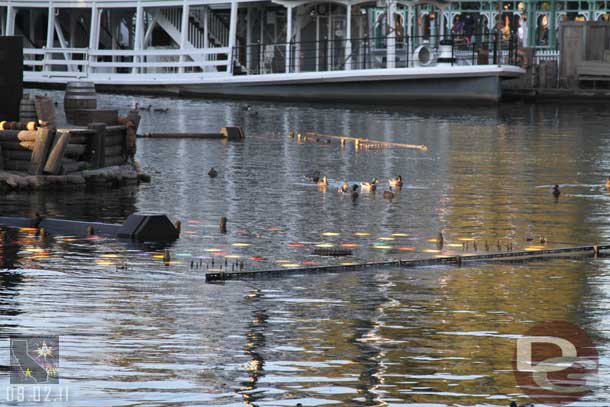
(424, 56)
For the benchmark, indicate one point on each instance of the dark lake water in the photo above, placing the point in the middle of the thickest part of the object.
(156, 335)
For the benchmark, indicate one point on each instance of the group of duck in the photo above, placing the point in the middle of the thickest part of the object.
(355, 189)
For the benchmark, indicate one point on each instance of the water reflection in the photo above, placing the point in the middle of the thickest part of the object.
(378, 337)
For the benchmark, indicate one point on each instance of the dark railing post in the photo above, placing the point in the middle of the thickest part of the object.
(473, 45)
(452, 47)
(407, 48)
(495, 48)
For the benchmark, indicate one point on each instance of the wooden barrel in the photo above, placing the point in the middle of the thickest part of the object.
(79, 95)
(27, 109)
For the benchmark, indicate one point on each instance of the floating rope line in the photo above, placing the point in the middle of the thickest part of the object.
(512, 256)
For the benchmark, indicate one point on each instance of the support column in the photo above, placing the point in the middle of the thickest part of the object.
(348, 36)
(94, 33)
(10, 20)
(137, 43)
(531, 24)
(317, 43)
(206, 34)
(50, 36)
(391, 38)
(232, 34)
(554, 21)
(184, 30)
(288, 36)
(249, 13)
(409, 35)
(297, 46)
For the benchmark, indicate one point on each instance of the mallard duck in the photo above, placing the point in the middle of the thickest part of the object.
(354, 192)
(608, 182)
(344, 188)
(396, 182)
(314, 177)
(388, 194)
(323, 182)
(556, 192)
(212, 173)
(161, 109)
(369, 186)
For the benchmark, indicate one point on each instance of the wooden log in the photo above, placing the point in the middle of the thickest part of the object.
(205, 136)
(17, 135)
(114, 139)
(75, 150)
(45, 110)
(13, 165)
(53, 164)
(82, 117)
(80, 139)
(70, 166)
(232, 133)
(44, 140)
(114, 160)
(114, 150)
(9, 135)
(17, 155)
(18, 145)
(97, 144)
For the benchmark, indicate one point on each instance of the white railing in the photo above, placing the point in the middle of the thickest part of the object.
(542, 55)
(80, 63)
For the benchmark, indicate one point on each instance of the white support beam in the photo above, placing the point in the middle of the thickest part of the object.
(94, 32)
(232, 33)
(348, 36)
(391, 39)
(184, 30)
(409, 43)
(10, 20)
(137, 44)
(249, 15)
(288, 36)
(150, 28)
(50, 32)
(62, 43)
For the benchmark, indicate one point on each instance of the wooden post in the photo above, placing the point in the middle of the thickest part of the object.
(54, 162)
(223, 225)
(97, 144)
(44, 140)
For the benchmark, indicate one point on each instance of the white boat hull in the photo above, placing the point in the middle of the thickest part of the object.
(440, 83)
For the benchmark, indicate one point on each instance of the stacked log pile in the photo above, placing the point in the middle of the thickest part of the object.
(17, 147)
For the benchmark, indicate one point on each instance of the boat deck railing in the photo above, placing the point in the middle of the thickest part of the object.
(262, 59)
(372, 53)
(83, 62)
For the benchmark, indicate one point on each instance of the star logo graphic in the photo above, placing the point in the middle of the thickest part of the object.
(28, 372)
(44, 350)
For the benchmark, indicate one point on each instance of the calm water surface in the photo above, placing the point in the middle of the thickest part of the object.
(438, 336)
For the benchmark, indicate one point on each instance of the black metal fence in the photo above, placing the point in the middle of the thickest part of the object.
(372, 53)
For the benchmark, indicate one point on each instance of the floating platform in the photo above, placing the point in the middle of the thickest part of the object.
(138, 226)
(512, 256)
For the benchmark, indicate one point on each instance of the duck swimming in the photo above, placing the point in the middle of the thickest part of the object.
(396, 182)
(608, 182)
(388, 194)
(323, 182)
(212, 173)
(556, 192)
(354, 192)
(344, 188)
(369, 186)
